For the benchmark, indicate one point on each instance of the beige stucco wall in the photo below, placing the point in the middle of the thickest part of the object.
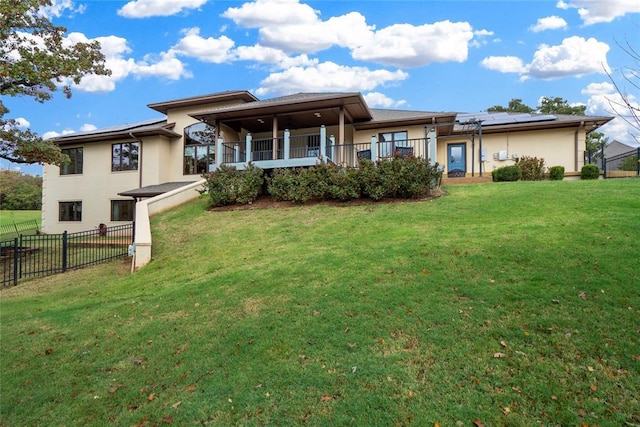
(95, 188)
(556, 146)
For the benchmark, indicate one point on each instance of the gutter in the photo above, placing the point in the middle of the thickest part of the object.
(575, 142)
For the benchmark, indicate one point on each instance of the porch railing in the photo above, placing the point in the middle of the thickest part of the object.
(316, 146)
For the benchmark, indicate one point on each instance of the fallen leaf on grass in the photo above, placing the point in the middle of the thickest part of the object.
(478, 423)
(113, 389)
(48, 351)
(582, 295)
(424, 271)
(168, 419)
(175, 405)
(326, 398)
(593, 387)
(316, 312)
(499, 355)
(151, 397)
(506, 410)
(503, 343)
(190, 387)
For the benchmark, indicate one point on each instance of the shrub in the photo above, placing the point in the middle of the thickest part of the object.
(590, 172)
(556, 173)
(507, 173)
(532, 168)
(227, 185)
(344, 184)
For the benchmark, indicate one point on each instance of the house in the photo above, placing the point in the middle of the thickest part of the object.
(113, 168)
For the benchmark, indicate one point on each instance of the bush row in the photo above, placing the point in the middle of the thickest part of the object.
(401, 177)
(532, 169)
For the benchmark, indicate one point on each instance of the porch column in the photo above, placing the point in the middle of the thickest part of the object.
(287, 143)
(323, 143)
(274, 135)
(341, 134)
(248, 155)
(374, 148)
(219, 153)
(333, 148)
(432, 146)
(236, 153)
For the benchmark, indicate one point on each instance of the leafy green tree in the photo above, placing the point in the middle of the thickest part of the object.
(595, 143)
(35, 62)
(630, 163)
(20, 191)
(560, 106)
(515, 106)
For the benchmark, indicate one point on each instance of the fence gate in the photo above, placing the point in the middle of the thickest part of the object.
(30, 256)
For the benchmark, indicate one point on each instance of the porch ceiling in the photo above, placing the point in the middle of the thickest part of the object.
(292, 112)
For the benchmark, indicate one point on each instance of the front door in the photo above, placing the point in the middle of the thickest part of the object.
(456, 160)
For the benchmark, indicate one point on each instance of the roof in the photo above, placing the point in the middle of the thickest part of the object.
(386, 118)
(154, 190)
(616, 148)
(294, 111)
(230, 95)
(505, 122)
(140, 129)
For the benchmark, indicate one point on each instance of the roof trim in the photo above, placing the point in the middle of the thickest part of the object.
(139, 130)
(231, 95)
(154, 190)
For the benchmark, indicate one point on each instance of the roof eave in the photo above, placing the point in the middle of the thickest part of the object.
(240, 95)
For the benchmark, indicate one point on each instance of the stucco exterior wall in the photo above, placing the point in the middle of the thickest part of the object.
(95, 188)
(558, 147)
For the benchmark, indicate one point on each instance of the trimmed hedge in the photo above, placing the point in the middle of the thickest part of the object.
(556, 173)
(590, 172)
(227, 185)
(507, 173)
(400, 177)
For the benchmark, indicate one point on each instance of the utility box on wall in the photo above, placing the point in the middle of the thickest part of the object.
(502, 155)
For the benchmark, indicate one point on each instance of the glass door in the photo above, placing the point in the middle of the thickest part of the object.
(456, 160)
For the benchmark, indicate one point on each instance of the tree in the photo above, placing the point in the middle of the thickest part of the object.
(515, 106)
(560, 106)
(595, 143)
(20, 191)
(627, 107)
(36, 61)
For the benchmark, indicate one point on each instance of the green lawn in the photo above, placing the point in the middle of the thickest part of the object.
(506, 303)
(9, 217)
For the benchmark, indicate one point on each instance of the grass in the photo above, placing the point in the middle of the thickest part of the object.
(9, 217)
(508, 303)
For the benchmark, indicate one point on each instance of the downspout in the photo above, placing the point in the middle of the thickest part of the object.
(575, 143)
(480, 137)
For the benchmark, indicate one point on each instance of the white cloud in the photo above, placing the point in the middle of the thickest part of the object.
(504, 64)
(377, 99)
(87, 127)
(292, 27)
(575, 57)
(58, 7)
(409, 45)
(598, 11)
(549, 23)
(327, 77)
(605, 100)
(148, 8)
(205, 49)
(53, 134)
(22, 123)
(116, 49)
(263, 13)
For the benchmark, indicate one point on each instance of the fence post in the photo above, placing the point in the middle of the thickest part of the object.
(16, 259)
(638, 161)
(604, 168)
(64, 251)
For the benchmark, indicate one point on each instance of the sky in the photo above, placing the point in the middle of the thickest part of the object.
(428, 55)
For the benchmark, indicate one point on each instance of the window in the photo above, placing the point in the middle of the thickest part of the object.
(199, 149)
(390, 140)
(70, 211)
(75, 166)
(124, 156)
(122, 210)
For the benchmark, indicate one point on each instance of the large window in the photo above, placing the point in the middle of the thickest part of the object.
(70, 211)
(124, 156)
(199, 149)
(122, 210)
(75, 166)
(390, 140)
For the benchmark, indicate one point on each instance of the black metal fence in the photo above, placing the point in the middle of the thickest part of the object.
(623, 165)
(29, 256)
(15, 229)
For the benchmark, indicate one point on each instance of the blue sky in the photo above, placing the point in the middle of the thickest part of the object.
(437, 55)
